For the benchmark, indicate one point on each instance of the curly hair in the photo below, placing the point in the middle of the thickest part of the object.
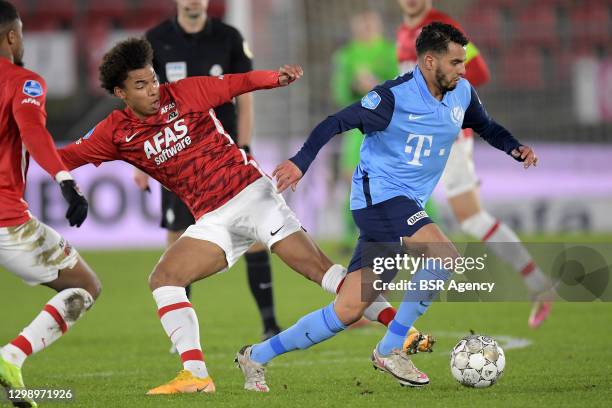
(126, 56)
(436, 37)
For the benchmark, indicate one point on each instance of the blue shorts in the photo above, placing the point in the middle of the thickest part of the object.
(385, 223)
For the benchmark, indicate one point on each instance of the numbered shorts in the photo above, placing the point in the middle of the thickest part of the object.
(35, 252)
(460, 175)
(257, 213)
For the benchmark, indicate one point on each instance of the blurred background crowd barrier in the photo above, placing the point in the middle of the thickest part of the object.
(551, 84)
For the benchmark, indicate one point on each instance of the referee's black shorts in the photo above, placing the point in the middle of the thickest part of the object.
(175, 214)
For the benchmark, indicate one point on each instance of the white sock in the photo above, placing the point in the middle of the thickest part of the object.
(508, 247)
(58, 315)
(332, 278)
(331, 282)
(180, 322)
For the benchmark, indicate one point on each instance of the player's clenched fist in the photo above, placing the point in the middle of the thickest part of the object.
(287, 174)
(526, 155)
(289, 73)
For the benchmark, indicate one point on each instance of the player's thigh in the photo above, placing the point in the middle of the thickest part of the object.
(35, 252)
(303, 255)
(466, 204)
(459, 175)
(79, 276)
(256, 247)
(430, 241)
(276, 226)
(186, 261)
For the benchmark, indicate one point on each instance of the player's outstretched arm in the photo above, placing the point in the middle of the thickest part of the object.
(373, 113)
(208, 92)
(30, 117)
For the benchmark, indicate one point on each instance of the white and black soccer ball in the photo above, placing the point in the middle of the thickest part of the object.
(477, 361)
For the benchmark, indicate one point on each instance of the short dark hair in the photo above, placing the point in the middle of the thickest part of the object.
(126, 56)
(436, 37)
(8, 15)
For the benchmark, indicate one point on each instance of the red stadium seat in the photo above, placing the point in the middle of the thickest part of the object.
(521, 68)
(589, 24)
(60, 10)
(484, 26)
(537, 26)
(114, 9)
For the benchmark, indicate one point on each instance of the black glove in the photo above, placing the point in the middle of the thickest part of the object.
(77, 204)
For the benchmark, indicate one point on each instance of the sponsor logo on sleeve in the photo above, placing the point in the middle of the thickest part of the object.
(32, 88)
(417, 217)
(176, 71)
(371, 100)
(30, 101)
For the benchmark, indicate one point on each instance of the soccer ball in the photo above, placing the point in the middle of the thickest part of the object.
(477, 361)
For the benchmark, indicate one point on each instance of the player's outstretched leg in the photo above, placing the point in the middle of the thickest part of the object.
(311, 329)
(507, 246)
(302, 254)
(185, 262)
(259, 275)
(77, 287)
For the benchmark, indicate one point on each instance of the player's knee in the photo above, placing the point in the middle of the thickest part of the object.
(165, 275)
(348, 313)
(94, 287)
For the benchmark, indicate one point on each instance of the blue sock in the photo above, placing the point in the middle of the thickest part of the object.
(414, 304)
(311, 329)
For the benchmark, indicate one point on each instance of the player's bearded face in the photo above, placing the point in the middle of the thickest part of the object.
(141, 91)
(450, 68)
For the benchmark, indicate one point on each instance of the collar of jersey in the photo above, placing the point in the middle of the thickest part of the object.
(428, 98)
(207, 30)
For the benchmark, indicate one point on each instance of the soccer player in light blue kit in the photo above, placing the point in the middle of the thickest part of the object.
(410, 124)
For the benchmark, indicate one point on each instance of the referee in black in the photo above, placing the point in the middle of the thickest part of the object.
(193, 44)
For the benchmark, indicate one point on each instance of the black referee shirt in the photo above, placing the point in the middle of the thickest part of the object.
(217, 49)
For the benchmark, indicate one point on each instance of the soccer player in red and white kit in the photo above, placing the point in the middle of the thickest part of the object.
(170, 132)
(28, 248)
(459, 178)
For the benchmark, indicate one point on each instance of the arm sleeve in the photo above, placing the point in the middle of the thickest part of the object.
(209, 92)
(240, 56)
(372, 114)
(477, 118)
(95, 147)
(30, 116)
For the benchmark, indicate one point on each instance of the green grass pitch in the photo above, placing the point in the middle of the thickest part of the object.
(119, 350)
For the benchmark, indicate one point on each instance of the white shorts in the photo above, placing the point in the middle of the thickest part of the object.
(460, 175)
(256, 214)
(35, 252)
